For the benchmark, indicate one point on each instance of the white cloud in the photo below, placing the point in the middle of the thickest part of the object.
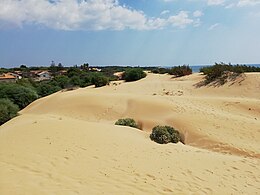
(197, 14)
(213, 26)
(242, 3)
(165, 12)
(180, 20)
(216, 2)
(84, 15)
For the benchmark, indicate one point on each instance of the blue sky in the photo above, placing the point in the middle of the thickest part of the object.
(124, 32)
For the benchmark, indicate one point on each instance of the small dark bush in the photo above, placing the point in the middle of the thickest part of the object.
(180, 71)
(160, 70)
(127, 122)
(8, 110)
(133, 74)
(165, 134)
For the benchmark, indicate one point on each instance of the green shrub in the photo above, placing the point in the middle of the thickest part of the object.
(8, 110)
(160, 70)
(180, 71)
(20, 95)
(127, 122)
(99, 80)
(165, 134)
(62, 81)
(221, 71)
(133, 74)
(44, 89)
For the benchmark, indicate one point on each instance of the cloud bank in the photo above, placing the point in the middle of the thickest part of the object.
(85, 15)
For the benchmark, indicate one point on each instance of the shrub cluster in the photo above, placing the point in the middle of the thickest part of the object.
(180, 71)
(160, 134)
(100, 80)
(221, 71)
(160, 70)
(127, 122)
(165, 134)
(133, 74)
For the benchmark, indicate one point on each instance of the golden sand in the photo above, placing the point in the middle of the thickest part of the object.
(67, 143)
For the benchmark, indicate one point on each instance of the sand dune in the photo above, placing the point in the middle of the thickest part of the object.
(67, 143)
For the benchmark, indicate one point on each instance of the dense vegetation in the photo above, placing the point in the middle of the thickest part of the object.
(177, 71)
(180, 71)
(19, 95)
(165, 134)
(127, 122)
(221, 72)
(133, 74)
(8, 110)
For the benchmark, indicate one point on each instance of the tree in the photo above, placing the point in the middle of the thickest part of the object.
(8, 110)
(60, 67)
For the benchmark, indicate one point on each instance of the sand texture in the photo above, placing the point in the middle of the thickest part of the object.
(67, 143)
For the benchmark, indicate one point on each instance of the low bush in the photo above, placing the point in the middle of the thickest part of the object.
(8, 110)
(127, 122)
(165, 134)
(133, 74)
(221, 72)
(180, 71)
(160, 70)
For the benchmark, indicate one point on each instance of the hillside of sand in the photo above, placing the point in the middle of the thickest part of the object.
(67, 143)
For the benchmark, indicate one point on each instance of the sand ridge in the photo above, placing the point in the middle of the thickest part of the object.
(67, 143)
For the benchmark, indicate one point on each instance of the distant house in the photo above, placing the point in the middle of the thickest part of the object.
(44, 75)
(7, 77)
(17, 76)
(95, 69)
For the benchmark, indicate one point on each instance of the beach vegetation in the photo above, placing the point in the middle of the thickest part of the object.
(100, 80)
(127, 122)
(165, 134)
(180, 71)
(221, 72)
(133, 74)
(20, 95)
(8, 110)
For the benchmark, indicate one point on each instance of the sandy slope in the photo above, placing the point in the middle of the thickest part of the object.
(67, 144)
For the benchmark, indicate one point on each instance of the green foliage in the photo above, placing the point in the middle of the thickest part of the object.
(127, 122)
(133, 74)
(222, 71)
(20, 95)
(99, 80)
(160, 70)
(8, 110)
(180, 71)
(73, 71)
(62, 81)
(165, 134)
(44, 89)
